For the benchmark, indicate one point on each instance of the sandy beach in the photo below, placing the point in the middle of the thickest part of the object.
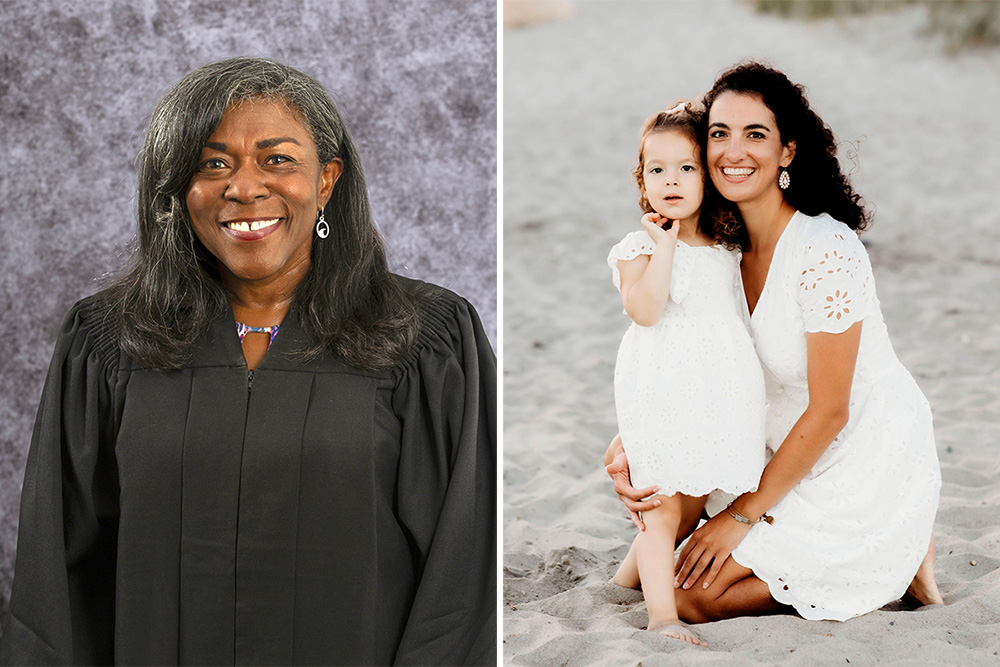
(919, 135)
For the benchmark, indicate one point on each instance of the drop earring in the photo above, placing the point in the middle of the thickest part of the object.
(784, 180)
(322, 228)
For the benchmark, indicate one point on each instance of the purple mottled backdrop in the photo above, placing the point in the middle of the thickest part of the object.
(415, 81)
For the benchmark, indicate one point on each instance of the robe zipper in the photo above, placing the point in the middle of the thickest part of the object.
(239, 492)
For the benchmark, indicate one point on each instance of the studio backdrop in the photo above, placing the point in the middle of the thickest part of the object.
(415, 82)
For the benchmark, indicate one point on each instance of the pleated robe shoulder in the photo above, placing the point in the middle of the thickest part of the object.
(319, 514)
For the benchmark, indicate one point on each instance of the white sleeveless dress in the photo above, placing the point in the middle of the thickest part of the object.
(850, 536)
(689, 391)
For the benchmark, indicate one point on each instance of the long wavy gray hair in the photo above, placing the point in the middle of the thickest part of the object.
(349, 303)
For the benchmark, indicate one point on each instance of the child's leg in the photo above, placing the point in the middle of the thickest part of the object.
(628, 572)
(654, 556)
(691, 511)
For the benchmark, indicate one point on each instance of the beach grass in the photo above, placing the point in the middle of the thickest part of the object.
(962, 23)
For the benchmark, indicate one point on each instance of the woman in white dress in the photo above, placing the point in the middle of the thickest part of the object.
(853, 479)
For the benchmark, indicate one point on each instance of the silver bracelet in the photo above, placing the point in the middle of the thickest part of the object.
(742, 519)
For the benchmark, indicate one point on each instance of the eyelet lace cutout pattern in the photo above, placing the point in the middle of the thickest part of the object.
(833, 288)
(838, 305)
(689, 392)
(850, 536)
(640, 243)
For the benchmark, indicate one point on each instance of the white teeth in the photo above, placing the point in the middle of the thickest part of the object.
(741, 171)
(251, 226)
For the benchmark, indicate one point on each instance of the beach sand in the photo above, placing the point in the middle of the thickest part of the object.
(919, 133)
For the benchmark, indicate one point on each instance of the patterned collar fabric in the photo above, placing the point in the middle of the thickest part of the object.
(243, 329)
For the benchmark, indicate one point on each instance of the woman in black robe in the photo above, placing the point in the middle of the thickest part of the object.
(258, 446)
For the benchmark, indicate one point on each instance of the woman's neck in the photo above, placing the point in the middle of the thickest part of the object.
(765, 219)
(261, 303)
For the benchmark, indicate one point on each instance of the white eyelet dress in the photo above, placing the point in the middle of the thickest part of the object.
(851, 535)
(689, 391)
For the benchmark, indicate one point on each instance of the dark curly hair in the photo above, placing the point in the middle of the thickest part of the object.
(348, 302)
(689, 119)
(817, 183)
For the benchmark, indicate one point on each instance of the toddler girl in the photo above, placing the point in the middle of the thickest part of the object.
(689, 391)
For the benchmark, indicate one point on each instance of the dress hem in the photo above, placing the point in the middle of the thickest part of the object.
(809, 613)
(697, 491)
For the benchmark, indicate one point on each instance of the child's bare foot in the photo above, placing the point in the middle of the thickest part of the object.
(673, 628)
(923, 589)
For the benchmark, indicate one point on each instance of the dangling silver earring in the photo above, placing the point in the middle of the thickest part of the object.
(784, 180)
(322, 229)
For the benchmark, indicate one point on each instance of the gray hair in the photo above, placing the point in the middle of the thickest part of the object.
(348, 301)
(189, 112)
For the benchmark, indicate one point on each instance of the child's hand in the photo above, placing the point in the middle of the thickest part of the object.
(653, 223)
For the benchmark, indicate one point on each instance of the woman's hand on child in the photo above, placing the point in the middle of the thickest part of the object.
(653, 224)
(629, 495)
(709, 547)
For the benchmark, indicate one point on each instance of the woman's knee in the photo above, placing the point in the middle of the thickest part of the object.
(726, 598)
(695, 606)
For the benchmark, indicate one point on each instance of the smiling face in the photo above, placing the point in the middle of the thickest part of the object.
(258, 188)
(744, 148)
(672, 176)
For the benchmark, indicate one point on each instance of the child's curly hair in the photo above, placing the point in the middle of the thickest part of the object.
(689, 119)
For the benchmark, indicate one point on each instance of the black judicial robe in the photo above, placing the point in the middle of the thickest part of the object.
(318, 514)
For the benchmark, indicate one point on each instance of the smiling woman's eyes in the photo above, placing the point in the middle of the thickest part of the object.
(722, 134)
(217, 164)
(212, 163)
(278, 159)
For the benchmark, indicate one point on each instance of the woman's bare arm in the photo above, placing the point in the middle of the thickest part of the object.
(831, 361)
(832, 358)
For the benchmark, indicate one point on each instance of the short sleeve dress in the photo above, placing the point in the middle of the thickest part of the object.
(689, 391)
(321, 514)
(851, 535)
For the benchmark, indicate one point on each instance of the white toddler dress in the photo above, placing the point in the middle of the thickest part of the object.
(689, 390)
(851, 535)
